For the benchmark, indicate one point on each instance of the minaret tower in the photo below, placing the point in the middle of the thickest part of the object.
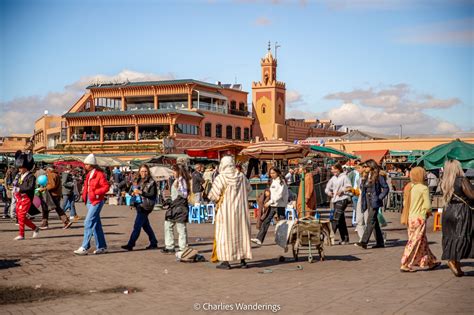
(268, 102)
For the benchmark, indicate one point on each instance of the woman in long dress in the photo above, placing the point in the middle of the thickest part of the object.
(417, 209)
(457, 225)
(230, 192)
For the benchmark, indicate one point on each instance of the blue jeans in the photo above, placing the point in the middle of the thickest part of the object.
(68, 203)
(93, 226)
(141, 221)
(7, 206)
(355, 200)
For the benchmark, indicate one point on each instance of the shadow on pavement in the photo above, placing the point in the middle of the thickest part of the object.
(270, 262)
(343, 258)
(102, 218)
(9, 263)
(76, 235)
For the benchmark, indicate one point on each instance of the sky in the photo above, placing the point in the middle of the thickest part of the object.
(371, 65)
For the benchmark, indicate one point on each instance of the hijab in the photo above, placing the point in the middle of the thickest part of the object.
(417, 176)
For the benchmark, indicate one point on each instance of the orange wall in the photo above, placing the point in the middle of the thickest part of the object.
(392, 144)
(12, 143)
(225, 120)
(235, 95)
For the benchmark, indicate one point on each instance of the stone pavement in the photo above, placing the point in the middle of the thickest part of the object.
(351, 280)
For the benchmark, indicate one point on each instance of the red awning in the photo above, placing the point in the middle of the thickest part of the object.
(197, 153)
(376, 155)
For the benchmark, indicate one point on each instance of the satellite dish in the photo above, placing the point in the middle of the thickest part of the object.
(46, 112)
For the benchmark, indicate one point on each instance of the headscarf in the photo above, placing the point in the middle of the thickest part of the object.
(229, 172)
(227, 165)
(417, 176)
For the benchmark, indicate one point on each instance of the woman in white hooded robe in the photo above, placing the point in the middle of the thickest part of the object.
(230, 191)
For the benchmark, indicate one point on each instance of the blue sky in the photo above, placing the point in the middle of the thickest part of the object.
(413, 60)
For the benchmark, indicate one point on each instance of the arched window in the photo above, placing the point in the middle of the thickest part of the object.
(208, 130)
(228, 132)
(242, 106)
(279, 109)
(233, 105)
(263, 109)
(218, 131)
(246, 134)
(238, 133)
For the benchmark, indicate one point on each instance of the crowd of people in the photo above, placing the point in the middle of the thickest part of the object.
(364, 185)
(118, 135)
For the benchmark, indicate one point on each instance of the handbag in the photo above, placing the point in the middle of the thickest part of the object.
(189, 255)
(381, 218)
(463, 201)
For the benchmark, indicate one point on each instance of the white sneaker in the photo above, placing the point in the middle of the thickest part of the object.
(256, 241)
(100, 251)
(81, 251)
(19, 238)
(36, 233)
(71, 218)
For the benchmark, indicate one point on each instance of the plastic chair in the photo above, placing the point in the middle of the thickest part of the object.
(290, 214)
(210, 212)
(195, 214)
(128, 199)
(437, 221)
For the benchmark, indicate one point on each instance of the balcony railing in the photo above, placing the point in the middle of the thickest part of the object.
(239, 112)
(210, 107)
(174, 105)
(84, 137)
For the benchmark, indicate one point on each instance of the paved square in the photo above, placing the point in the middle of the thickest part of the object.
(350, 281)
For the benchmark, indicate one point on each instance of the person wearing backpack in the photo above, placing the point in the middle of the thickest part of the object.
(147, 191)
(177, 214)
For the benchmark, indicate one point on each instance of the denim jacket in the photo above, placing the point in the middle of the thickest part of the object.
(377, 192)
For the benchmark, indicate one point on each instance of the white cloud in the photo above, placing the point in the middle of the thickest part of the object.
(19, 114)
(293, 98)
(302, 114)
(384, 109)
(370, 119)
(393, 98)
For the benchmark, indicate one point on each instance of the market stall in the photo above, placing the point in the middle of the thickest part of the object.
(275, 151)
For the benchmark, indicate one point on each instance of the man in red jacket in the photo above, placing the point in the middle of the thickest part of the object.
(95, 188)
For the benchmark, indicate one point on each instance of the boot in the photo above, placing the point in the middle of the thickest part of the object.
(66, 221)
(44, 224)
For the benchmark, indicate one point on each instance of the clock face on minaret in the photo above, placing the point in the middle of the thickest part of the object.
(268, 97)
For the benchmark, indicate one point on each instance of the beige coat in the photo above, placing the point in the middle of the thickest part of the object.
(232, 218)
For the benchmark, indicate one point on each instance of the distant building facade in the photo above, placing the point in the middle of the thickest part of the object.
(47, 133)
(14, 142)
(174, 115)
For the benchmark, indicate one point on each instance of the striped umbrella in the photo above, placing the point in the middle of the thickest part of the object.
(275, 150)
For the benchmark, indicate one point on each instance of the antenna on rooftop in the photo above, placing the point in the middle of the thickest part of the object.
(276, 49)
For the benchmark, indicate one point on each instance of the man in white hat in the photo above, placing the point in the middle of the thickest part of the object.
(93, 194)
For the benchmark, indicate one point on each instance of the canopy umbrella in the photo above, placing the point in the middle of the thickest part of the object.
(160, 173)
(275, 150)
(332, 151)
(455, 150)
